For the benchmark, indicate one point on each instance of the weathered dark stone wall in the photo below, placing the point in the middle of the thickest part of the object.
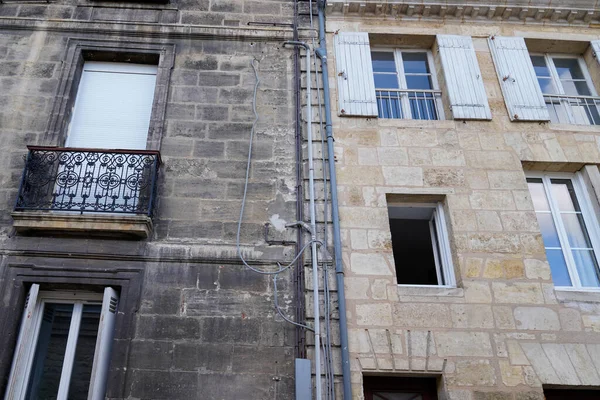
(201, 326)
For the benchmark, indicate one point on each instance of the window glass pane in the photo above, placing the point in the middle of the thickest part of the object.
(564, 194)
(538, 195)
(388, 104)
(558, 267)
(548, 229)
(383, 61)
(582, 88)
(418, 82)
(84, 353)
(576, 88)
(547, 86)
(576, 232)
(539, 65)
(423, 109)
(415, 63)
(386, 81)
(568, 68)
(587, 268)
(50, 352)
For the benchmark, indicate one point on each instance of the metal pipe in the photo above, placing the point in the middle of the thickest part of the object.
(313, 223)
(299, 270)
(335, 216)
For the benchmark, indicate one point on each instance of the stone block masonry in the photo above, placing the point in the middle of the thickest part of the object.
(505, 331)
(201, 326)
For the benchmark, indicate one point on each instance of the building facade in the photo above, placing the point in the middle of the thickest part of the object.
(120, 271)
(467, 155)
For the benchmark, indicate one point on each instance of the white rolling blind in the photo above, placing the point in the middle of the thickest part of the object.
(522, 93)
(466, 92)
(113, 106)
(23, 356)
(103, 345)
(355, 82)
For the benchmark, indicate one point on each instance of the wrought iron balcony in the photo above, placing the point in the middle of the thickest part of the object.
(89, 181)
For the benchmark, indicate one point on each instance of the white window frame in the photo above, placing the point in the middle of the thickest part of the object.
(401, 78)
(549, 59)
(440, 244)
(31, 323)
(591, 223)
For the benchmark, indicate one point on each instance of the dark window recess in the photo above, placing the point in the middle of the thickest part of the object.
(394, 388)
(563, 394)
(416, 246)
(413, 252)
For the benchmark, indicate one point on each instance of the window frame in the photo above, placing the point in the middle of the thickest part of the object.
(440, 244)
(591, 224)
(33, 314)
(560, 90)
(401, 78)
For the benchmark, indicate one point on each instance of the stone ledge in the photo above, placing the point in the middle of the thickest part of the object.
(446, 291)
(62, 223)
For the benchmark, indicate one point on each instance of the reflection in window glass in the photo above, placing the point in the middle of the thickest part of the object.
(569, 248)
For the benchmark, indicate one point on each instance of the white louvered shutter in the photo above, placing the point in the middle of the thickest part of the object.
(522, 93)
(355, 82)
(466, 92)
(23, 356)
(103, 345)
(113, 106)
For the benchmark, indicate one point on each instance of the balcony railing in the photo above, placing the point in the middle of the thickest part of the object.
(89, 180)
(578, 110)
(409, 104)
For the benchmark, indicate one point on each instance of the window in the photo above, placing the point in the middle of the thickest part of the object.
(396, 388)
(405, 85)
(420, 244)
(564, 394)
(567, 88)
(64, 345)
(568, 228)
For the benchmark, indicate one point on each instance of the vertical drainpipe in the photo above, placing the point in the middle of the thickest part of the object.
(337, 244)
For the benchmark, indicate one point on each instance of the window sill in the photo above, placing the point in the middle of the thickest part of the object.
(443, 123)
(430, 291)
(564, 294)
(573, 127)
(124, 226)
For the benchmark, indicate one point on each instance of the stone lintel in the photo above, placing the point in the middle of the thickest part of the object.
(63, 223)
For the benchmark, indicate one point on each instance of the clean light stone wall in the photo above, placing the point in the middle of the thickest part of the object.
(504, 331)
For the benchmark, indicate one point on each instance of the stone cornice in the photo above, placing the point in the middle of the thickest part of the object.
(151, 30)
(511, 11)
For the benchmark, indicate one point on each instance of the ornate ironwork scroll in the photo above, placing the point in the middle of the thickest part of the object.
(89, 180)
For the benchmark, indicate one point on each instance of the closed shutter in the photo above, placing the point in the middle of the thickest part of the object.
(355, 82)
(522, 93)
(104, 342)
(17, 382)
(113, 106)
(466, 92)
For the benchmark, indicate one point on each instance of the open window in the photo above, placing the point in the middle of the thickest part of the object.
(569, 229)
(420, 244)
(64, 345)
